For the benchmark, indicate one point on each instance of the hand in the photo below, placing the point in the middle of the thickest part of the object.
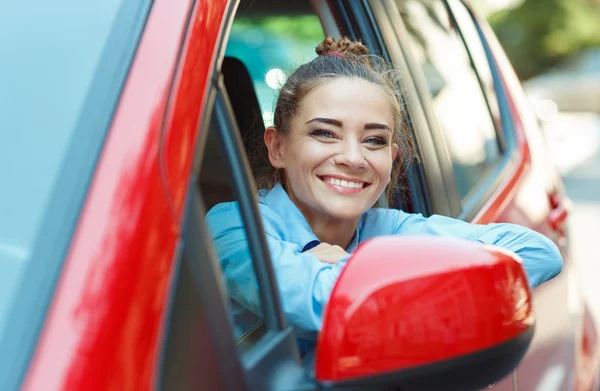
(328, 253)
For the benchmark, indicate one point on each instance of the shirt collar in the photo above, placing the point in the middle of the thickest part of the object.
(278, 200)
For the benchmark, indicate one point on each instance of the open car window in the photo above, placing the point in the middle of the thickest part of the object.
(271, 47)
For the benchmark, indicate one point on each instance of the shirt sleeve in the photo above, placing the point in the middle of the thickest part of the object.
(304, 282)
(541, 257)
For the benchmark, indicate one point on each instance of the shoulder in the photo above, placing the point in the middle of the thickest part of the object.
(227, 216)
(383, 221)
(222, 211)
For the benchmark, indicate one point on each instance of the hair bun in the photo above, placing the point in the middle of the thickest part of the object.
(344, 46)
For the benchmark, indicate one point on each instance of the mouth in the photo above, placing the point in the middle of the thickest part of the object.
(344, 186)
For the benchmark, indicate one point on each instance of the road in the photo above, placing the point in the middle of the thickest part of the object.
(574, 141)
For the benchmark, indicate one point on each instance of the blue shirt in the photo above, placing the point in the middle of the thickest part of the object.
(305, 283)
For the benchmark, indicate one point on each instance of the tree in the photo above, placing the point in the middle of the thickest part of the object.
(537, 34)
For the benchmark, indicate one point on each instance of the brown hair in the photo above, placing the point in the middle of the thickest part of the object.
(341, 58)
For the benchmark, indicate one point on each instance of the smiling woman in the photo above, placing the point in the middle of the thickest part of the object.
(337, 143)
(337, 156)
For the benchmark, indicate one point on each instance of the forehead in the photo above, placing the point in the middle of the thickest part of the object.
(347, 99)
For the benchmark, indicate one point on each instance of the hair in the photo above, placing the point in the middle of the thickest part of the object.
(337, 59)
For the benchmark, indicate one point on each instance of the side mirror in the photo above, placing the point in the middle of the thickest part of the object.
(425, 313)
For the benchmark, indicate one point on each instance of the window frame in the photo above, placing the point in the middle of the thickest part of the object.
(420, 101)
(483, 187)
(477, 69)
(509, 158)
(435, 166)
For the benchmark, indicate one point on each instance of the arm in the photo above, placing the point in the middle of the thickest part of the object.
(541, 258)
(304, 282)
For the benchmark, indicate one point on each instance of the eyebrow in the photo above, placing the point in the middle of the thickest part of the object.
(335, 122)
(373, 125)
(329, 121)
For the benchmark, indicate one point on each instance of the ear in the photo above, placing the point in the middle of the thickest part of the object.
(275, 143)
(394, 151)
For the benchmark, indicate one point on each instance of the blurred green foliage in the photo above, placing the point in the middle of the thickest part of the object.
(299, 28)
(538, 34)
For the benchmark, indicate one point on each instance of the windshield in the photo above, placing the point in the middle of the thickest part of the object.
(53, 55)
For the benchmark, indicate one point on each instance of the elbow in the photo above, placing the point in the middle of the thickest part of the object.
(542, 260)
(558, 261)
(555, 259)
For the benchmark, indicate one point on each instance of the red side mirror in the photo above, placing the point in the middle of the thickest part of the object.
(424, 312)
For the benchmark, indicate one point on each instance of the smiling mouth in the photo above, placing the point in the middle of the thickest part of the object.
(344, 183)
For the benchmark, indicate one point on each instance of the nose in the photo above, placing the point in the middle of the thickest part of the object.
(351, 155)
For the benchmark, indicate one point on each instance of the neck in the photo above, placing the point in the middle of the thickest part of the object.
(335, 232)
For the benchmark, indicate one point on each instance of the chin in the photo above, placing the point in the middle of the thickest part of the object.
(347, 212)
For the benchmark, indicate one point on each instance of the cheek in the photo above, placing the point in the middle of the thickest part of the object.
(381, 161)
(308, 155)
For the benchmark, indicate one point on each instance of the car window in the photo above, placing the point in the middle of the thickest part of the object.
(471, 37)
(459, 103)
(272, 47)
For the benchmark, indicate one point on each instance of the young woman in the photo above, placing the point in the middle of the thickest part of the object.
(338, 131)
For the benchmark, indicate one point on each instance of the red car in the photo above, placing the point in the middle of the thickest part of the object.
(125, 121)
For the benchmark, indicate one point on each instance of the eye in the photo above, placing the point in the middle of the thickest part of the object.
(323, 134)
(376, 141)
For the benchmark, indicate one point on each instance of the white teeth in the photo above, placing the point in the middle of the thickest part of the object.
(343, 183)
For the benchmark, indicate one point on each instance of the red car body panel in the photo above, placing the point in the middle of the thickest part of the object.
(104, 325)
(429, 289)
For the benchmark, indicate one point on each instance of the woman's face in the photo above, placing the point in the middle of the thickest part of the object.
(338, 153)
